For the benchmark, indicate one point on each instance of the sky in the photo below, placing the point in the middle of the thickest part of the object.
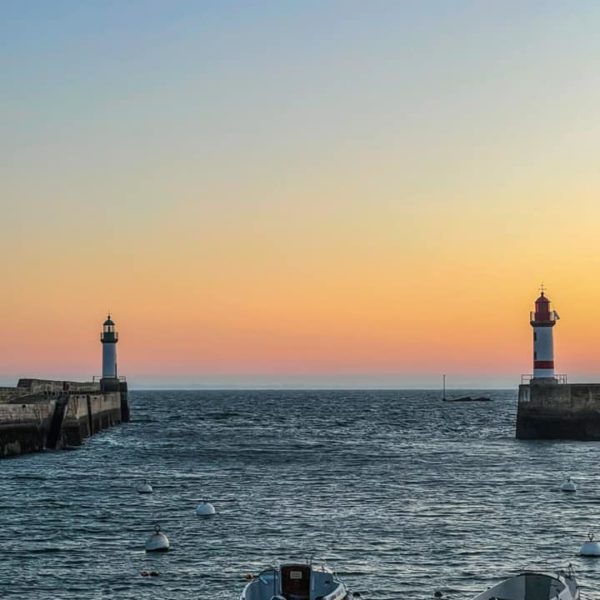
(302, 194)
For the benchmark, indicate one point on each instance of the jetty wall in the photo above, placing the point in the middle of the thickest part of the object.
(41, 414)
(87, 414)
(24, 427)
(567, 411)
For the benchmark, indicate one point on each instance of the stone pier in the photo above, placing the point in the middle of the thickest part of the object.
(550, 410)
(41, 414)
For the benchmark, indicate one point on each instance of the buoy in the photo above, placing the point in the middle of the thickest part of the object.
(590, 548)
(568, 486)
(157, 542)
(145, 488)
(205, 509)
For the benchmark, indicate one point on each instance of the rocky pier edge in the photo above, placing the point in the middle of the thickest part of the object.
(42, 414)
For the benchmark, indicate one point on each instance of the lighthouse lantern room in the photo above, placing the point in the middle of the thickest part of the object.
(543, 320)
(109, 338)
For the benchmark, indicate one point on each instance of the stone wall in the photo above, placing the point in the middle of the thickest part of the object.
(23, 427)
(559, 411)
(42, 414)
(9, 394)
(89, 413)
(36, 386)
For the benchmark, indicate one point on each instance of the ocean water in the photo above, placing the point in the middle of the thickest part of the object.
(400, 493)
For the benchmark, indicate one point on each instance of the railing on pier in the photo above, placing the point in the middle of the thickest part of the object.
(560, 378)
(98, 378)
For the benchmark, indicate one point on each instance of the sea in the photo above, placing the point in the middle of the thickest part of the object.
(400, 493)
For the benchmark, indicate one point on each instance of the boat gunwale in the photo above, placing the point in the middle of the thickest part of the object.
(275, 572)
(562, 577)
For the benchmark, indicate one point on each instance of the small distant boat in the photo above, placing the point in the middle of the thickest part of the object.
(468, 399)
(535, 586)
(295, 581)
(462, 398)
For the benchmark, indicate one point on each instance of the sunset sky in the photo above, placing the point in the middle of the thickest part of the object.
(299, 193)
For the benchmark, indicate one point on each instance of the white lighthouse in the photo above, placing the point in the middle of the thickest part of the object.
(543, 320)
(109, 338)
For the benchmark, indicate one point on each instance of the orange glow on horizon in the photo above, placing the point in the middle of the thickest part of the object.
(388, 206)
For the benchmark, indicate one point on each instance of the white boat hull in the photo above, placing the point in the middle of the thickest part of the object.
(296, 582)
(534, 586)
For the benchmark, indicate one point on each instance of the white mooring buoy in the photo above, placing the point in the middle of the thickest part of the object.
(205, 509)
(568, 486)
(157, 542)
(145, 488)
(590, 548)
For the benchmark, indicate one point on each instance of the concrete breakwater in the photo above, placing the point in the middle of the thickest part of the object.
(552, 410)
(42, 414)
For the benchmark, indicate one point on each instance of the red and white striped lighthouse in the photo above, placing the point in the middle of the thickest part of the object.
(543, 320)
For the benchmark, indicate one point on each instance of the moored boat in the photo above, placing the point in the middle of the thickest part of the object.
(534, 586)
(296, 581)
(462, 398)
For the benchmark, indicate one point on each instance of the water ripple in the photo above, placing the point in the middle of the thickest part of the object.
(401, 493)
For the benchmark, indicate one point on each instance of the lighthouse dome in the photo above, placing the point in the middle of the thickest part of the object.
(109, 321)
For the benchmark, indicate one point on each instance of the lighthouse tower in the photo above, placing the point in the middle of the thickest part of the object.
(543, 320)
(109, 338)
